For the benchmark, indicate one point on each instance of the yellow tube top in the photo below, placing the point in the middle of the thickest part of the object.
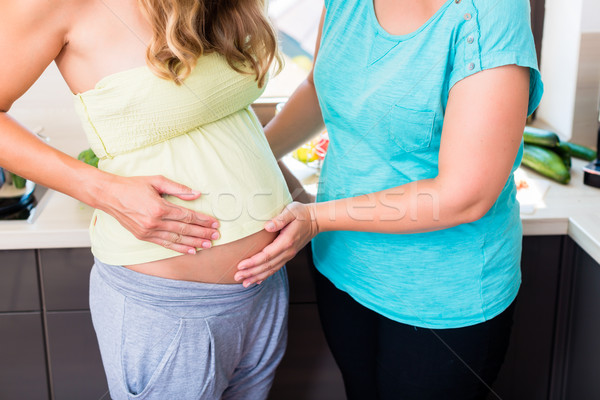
(202, 134)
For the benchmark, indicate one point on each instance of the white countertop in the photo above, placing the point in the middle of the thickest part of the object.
(572, 210)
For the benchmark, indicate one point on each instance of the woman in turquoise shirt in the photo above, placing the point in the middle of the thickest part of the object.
(419, 236)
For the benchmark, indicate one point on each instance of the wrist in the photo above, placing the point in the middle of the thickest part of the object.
(314, 218)
(97, 188)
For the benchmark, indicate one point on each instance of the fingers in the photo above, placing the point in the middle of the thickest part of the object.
(266, 263)
(176, 213)
(261, 272)
(280, 221)
(184, 230)
(180, 248)
(137, 204)
(176, 238)
(167, 186)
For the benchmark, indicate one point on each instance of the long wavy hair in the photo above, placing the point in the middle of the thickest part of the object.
(184, 30)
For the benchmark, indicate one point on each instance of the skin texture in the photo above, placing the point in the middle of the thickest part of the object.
(481, 135)
(90, 39)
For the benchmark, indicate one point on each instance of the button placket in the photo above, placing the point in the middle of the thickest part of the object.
(472, 41)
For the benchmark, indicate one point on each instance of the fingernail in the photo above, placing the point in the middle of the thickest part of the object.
(215, 236)
(192, 251)
(206, 245)
(237, 277)
(259, 282)
(215, 225)
(195, 193)
(270, 226)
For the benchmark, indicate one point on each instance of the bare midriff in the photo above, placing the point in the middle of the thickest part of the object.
(215, 265)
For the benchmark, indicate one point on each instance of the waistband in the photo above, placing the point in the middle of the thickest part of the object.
(156, 291)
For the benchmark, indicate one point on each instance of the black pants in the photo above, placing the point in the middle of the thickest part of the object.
(383, 359)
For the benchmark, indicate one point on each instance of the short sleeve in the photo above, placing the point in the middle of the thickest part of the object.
(494, 33)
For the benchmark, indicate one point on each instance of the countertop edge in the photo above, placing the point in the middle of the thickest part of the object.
(581, 228)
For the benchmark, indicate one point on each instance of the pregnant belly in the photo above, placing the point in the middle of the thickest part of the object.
(215, 265)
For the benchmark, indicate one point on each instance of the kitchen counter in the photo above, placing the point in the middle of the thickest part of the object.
(572, 210)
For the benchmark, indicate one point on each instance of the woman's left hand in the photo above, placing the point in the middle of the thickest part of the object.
(297, 226)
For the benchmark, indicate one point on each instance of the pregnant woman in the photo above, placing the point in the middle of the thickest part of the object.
(163, 89)
(417, 235)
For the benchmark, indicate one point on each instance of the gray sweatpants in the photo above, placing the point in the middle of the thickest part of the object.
(166, 339)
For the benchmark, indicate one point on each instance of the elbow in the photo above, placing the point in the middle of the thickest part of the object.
(476, 212)
(467, 209)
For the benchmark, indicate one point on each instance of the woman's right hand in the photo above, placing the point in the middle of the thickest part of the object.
(138, 204)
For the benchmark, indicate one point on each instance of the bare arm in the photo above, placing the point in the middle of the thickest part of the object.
(32, 35)
(481, 136)
(301, 117)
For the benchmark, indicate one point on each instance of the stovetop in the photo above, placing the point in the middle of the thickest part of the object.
(28, 210)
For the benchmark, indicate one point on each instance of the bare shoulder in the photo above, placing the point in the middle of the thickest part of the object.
(32, 34)
(25, 13)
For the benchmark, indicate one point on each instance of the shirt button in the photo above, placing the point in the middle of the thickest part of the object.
(467, 16)
(471, 66)
(457, 1)
(470, 39)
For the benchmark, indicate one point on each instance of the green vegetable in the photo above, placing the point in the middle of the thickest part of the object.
(18, 182)
(546, 162)
(564, 152)
(579, 151)
(88, 157)
(540, 137)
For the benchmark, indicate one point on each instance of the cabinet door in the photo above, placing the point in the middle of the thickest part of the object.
(308, 371)
(299, 269)
(583, 349)
(525, 374)
(22, 359)
(19, 290)
(75, 362)
(66, 276)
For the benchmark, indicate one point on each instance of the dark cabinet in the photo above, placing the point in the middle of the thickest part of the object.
(66, 276)
(75, 362)
(582, 376)
(47, 351)
(554, 351)
(74, 357)
(22, 351)
(19, 289)
(22, 357)
(527, 369)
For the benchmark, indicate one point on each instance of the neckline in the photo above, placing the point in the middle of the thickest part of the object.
(111, 76)
(382, 32)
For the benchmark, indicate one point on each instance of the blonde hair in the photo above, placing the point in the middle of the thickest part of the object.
(184, 30)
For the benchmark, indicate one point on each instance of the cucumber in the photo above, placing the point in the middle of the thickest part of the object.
(546, 162)
(540, 137)
(564, 152)
(579, 151)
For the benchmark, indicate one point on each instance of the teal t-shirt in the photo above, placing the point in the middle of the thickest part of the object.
(383, 99)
